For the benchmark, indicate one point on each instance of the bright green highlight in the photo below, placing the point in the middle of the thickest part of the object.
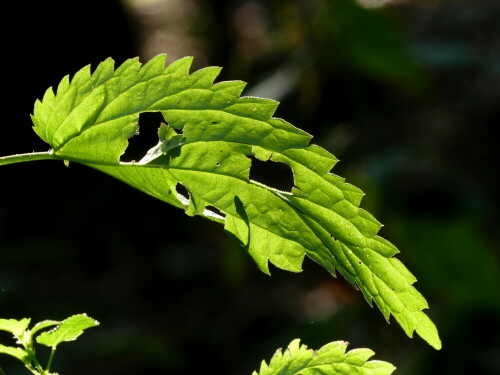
(331, 359)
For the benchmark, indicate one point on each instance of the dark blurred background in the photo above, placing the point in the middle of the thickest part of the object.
(406, 94)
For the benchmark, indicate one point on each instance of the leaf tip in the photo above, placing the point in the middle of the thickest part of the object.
(427, 330)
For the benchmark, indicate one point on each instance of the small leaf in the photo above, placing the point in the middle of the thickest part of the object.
(16, 327)
(68, 330)
(331, 359)
(18, 353)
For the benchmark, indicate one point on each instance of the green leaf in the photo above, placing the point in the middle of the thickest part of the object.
(206, 147)
(16, 327)
(18, 353)
(68, 330)
(331, 359)
(42, 325)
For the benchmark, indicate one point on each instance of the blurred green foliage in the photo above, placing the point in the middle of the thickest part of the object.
(367, 42)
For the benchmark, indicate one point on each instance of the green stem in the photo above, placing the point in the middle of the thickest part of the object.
(35, 367)
(32, 369)
(20, 158)
(2, 372)
(47, 370)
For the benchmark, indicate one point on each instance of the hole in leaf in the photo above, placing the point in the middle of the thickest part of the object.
(147, 137)
(213, 211)
(182, 194)
(273, 174)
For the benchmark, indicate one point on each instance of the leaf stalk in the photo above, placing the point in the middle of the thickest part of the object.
(32, 156)
(47, 369)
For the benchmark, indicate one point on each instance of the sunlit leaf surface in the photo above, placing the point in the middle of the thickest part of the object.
(206, 148)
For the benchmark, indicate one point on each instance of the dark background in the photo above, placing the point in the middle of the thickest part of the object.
(407, 96)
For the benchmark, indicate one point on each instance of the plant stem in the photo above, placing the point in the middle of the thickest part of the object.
(47, 370)
(32, 369)
(20, 158)
(37, 368)
(2, 372)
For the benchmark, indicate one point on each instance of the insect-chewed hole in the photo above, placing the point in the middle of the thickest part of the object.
(213, 211)
(182, 194)
(273, 174)
(146, 138)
